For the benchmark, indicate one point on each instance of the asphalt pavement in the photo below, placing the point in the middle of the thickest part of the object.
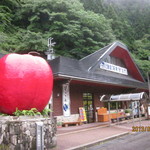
(88, 135)
(136, 141)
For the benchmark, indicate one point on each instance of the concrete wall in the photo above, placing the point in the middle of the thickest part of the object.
(19, 133)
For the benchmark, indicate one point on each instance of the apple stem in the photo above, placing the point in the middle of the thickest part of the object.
(34, 53)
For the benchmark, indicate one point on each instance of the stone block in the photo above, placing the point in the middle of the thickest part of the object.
(11, 147)
(11, 129)
(13, 139)
(1, 138)
(3, 127)
(27, 132)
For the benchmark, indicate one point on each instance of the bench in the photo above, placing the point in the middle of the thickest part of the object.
(71, 123)
(119, 119)
(113, 120)
(128, 117)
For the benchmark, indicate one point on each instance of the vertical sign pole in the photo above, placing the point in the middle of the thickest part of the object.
(133, 112)
(39, 136)
(117, 113)
(109, 113)
(139, 113)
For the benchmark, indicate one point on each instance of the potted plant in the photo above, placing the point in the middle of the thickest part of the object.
(59, 124)
(127, 112)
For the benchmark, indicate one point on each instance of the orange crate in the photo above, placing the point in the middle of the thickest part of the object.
(102, 111)
(103, 118)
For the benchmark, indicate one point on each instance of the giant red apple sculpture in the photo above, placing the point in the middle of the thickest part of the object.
(25, 82)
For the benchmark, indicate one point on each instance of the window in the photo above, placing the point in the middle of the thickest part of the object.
(115, 61)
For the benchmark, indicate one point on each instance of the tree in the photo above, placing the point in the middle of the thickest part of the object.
(77, 32)
(6, 9)
(143, 53)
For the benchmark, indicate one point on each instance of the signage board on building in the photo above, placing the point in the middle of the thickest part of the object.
(113, 68)
(66, 100)
(82, 113)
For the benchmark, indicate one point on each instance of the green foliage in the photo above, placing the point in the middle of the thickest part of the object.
(6, 14)
(5, 18)
(31, 42)
(142, 53)
(143, 47)
(45, 112)
(127, 111)
(59, 123)
(77, 32)
(31, 112)
(144, 66)
(1, 114)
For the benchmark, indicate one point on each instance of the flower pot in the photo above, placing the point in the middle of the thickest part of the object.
(127, 114)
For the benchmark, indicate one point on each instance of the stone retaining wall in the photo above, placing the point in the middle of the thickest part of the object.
(20, 133)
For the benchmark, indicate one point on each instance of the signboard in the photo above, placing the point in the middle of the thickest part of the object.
(113, 68)
(66, 100)
(82, 113)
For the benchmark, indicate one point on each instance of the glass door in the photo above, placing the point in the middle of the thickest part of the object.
(88, 106)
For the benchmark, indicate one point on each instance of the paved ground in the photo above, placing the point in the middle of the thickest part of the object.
(137, 141)
(86, 135)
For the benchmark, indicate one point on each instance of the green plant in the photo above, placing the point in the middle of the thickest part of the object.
(127, 111)
(17, 112)
(31, 112)
(1, 114)
(45, 112)
(59, 123)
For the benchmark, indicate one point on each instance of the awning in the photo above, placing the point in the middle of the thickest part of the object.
(125, 97)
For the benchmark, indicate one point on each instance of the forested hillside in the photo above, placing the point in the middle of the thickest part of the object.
(79, 27)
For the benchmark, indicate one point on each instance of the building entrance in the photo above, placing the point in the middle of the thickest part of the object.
(88, 106)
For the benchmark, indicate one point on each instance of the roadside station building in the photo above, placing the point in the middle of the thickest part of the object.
(81, 83)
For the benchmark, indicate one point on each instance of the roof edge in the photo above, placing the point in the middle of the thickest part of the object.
(97, 81)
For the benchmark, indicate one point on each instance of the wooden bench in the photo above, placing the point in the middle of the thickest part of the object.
(119, 119)
(66, 124)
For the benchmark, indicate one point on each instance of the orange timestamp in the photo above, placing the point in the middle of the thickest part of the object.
(140, 128)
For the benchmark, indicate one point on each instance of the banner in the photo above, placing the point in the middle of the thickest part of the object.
(66, 100)
(82, 113)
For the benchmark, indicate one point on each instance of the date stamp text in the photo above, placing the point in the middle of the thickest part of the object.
(140, 128)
